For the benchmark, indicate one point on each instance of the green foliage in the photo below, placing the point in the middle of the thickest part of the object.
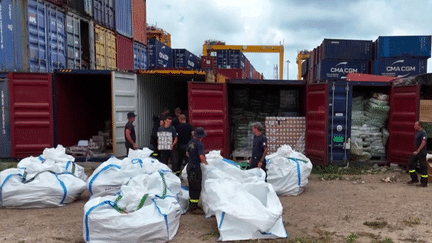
(386, 240)
(411, 221)
(352, 237)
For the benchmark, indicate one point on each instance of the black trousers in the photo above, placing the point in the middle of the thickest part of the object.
(254, 164)
(181, 151)
(421, 158)
(194, 179)
(165, 154)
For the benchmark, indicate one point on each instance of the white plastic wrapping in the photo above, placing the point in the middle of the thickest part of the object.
(288, 171)
(245, 206)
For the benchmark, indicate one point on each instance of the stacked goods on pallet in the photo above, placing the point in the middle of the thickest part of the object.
(401, 56)
(368, 135)
(284, 131)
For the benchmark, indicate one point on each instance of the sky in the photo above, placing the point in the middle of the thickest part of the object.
(298, 25)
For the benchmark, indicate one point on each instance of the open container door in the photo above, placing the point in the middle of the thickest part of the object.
(124, 98)
(316, 147)
(31, 113)
(404, 110)
(208, 109)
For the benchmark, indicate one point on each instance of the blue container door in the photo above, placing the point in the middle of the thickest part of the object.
(340, 95)
(56, 38)
(5, 136)
(7, 58)
(403, 46)
(103, 13)
(38, 59)
(73, 42)
(123, 16)
(140, 56)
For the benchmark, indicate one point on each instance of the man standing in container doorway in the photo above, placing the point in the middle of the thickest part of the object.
(259, 148)
(158, 122)
(176, 119)
(130, 136)
(195, 152)
(167, 140)
(184, 131)
(419, 155)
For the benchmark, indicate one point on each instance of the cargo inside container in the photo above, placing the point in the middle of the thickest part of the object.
(369, 115)
(253, 100)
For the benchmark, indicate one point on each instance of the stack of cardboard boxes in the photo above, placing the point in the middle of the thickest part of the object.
(284, 130)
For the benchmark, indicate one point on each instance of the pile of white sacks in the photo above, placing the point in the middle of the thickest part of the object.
(52, 179)
(136, 199)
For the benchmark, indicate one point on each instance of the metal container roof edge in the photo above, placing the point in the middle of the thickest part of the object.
(266, 81)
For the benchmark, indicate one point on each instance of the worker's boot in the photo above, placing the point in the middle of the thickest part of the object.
(414, 178)
(195, 209)
(423, 181)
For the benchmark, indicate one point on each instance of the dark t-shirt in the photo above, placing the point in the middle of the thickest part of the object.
(195, 148)
(130, 126)
(166, 137)
(259, 145)
(184, 131)
(420, 135)
(175, 122)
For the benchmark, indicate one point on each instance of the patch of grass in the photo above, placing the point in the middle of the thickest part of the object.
(351, 238)
(213, 234)
(7, 165)
(411, 221)
(376, 224)
(386, 240)
(329, 177)
(370, 235)
(351, 170)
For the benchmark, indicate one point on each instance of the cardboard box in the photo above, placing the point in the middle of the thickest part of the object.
(426, 110)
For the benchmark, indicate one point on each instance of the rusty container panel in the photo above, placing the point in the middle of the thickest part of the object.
(5, 141)
(208, 109)
(125, 53)
(105, 46)
(404, 111)
(139, 20)
(31, 113)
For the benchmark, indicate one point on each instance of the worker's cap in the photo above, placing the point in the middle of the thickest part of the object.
(131, 114)
(199, 133)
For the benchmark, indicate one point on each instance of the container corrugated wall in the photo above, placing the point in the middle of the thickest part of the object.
(160, 55)
(338, 69)
(103, 13)
(123, 16)
(80, 35)
(183, 58)
(33, 36)
(105, 46)
(140, 56)
(403, 46)
(139, 21)
(5, 139)
(399, 67)
(82, 7)
(346, 49)
(125, 53)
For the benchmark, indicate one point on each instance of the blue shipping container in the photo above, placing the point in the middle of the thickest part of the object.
(5, 136)
(338, 69)
(183, 58)
(230, 59)
(140, 56)
(159, 55)
(123, 16)
(403, 46)
(346, 49)
(103, 13)
(399, 67)
(35, 42)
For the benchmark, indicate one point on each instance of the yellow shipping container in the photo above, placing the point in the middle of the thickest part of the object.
(105, 41)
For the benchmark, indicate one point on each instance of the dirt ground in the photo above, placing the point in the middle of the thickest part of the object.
(328, 210)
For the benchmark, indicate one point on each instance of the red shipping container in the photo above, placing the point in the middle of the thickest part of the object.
(139, 19)
(231, 73)
(125, 57)
(208, 62)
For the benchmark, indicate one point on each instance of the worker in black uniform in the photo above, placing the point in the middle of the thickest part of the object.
(419, 155)
(129, 132)
(195, 152)
(259, 148)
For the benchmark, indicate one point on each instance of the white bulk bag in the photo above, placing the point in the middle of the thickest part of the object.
(245, 206)
(43, 189)
(146, 210)
(288, 171)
